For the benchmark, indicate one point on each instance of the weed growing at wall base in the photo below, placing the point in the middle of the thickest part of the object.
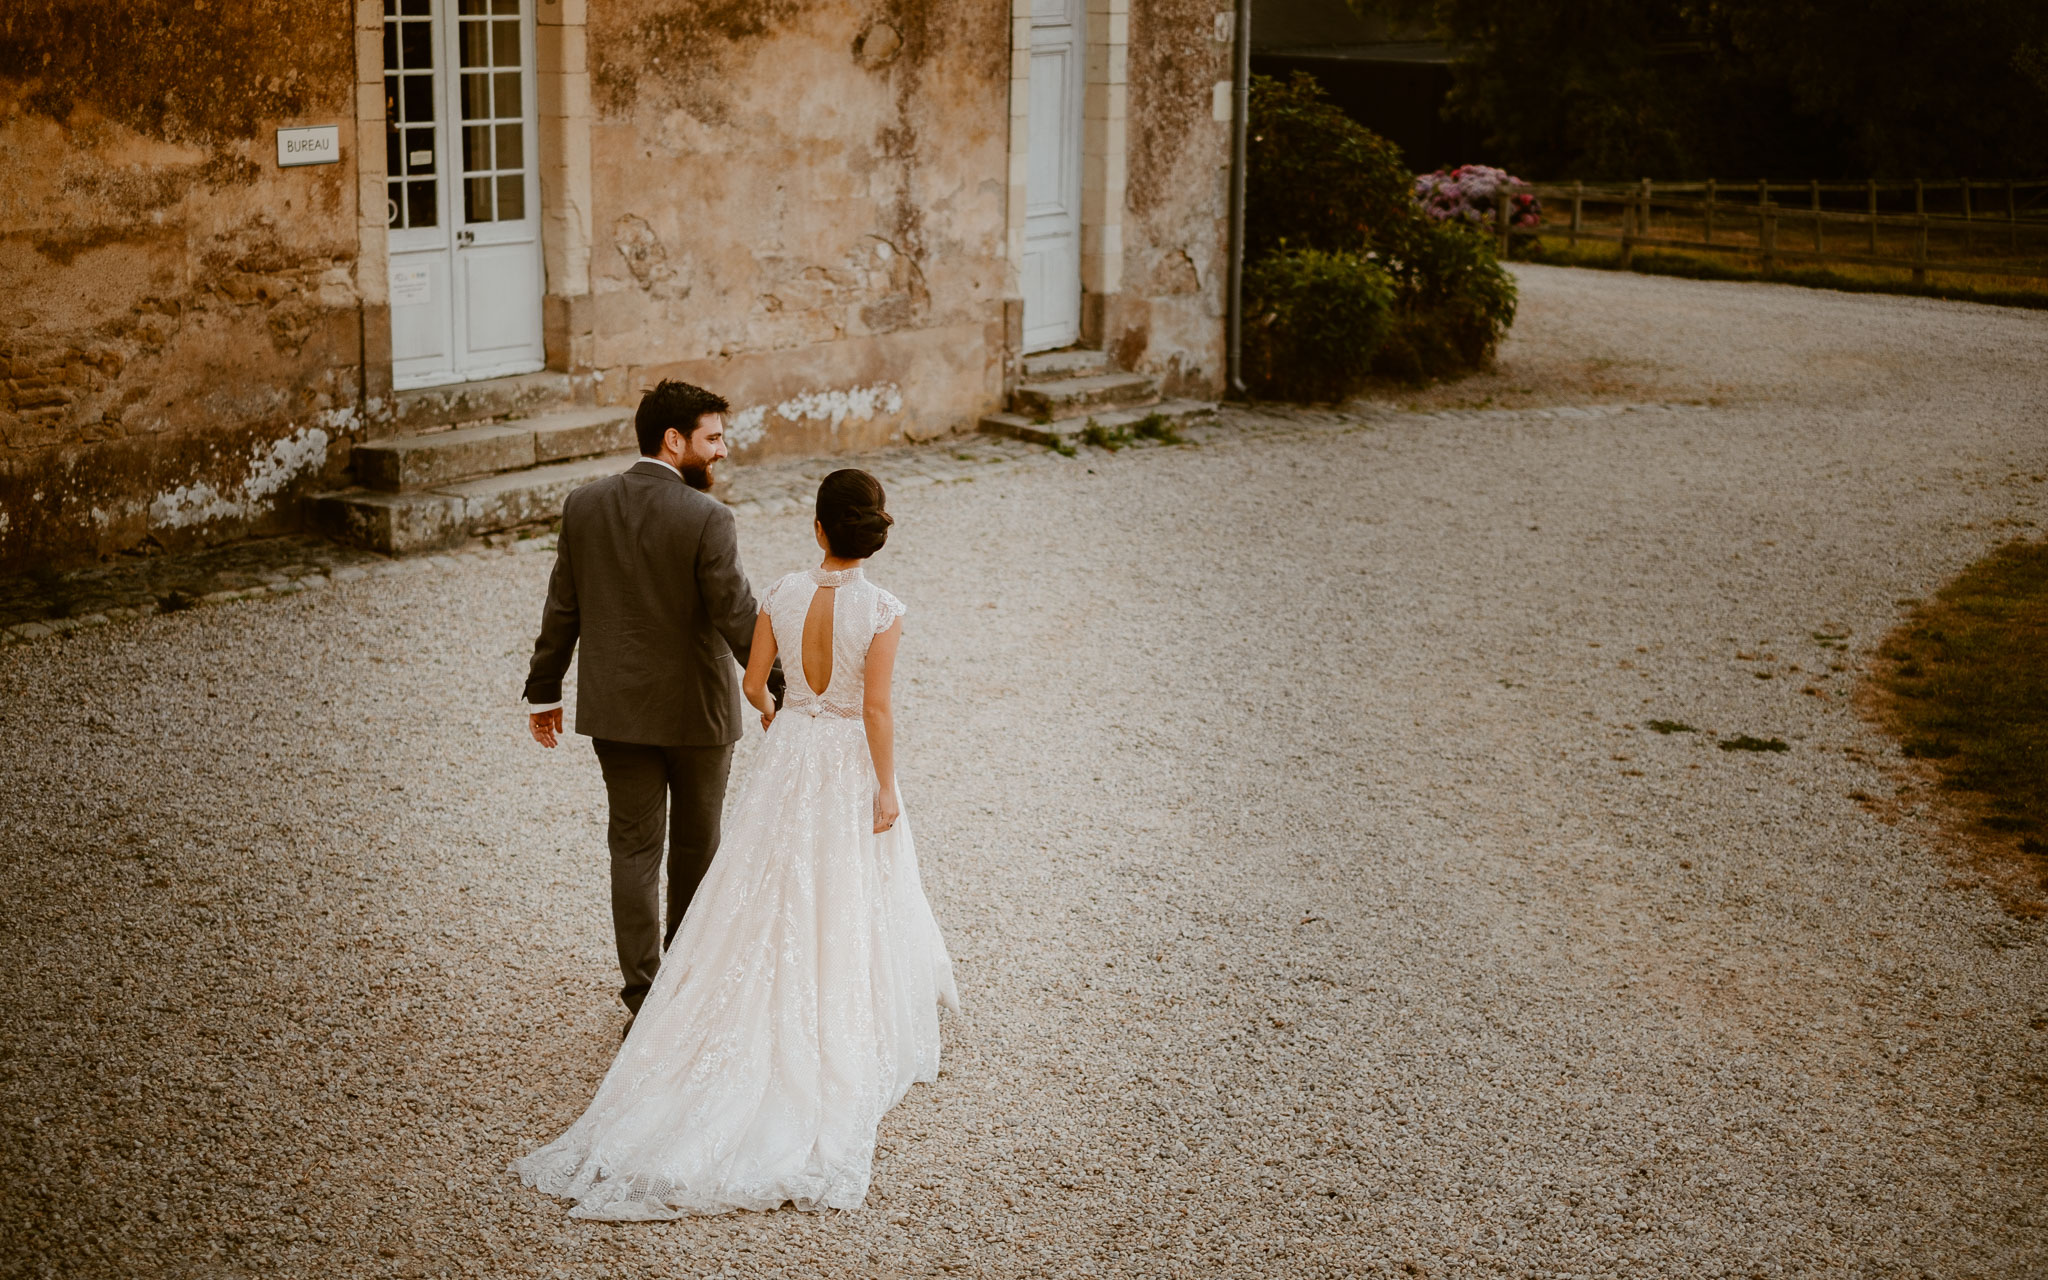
(1156, 427)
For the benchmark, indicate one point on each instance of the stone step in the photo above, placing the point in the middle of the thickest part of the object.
(457, 403)
(581, 433)
(1072, 363)
(1072, 397)
(402, 464)
(1068, 432)
(422, 520)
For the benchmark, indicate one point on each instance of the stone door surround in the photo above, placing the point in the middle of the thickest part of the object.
(1104, 117)
(562, 86)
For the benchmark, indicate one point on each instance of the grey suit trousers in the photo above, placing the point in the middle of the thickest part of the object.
(645, 784)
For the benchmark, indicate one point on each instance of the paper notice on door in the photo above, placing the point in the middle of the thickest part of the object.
(410, 286)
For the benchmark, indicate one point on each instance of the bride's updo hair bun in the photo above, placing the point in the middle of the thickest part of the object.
(850, 508)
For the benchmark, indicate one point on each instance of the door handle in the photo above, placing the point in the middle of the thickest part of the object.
(465, 237)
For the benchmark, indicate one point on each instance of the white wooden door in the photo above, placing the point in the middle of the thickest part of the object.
(464, 193)
(1052, 192)
(420, 241)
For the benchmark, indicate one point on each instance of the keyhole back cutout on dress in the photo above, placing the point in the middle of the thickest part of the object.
(818, 639)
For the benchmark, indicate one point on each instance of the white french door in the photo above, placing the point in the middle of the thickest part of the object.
(1051, 270)
(463, 199)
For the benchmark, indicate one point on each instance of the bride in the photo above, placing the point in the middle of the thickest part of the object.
(799, 1000)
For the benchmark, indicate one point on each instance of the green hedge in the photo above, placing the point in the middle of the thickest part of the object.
(1315, 178)
(1455, 300)
(1345, 277)
(1312, 322)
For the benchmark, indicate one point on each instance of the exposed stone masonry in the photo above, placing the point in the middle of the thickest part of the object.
(808, 207)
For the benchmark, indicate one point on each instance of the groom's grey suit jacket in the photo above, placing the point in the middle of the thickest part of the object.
(647, 576)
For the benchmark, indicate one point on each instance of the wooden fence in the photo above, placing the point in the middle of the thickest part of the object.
(1750, 224)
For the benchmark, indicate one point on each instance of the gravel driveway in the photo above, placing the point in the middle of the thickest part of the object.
(1324, 903)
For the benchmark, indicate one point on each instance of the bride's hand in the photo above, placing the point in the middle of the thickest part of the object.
(767, 718)
(887, 809)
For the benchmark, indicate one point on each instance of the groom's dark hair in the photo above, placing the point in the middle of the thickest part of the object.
(672, 404)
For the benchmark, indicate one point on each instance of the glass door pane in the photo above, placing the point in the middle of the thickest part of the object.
(410, 147)
(493, 108)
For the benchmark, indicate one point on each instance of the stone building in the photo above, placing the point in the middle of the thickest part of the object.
(401, 267)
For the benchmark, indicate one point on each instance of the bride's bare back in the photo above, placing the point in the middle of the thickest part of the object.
(818, 640)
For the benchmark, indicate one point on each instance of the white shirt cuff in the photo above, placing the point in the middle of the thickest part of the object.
(535, 708)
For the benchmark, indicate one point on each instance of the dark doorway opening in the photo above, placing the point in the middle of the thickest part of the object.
(1391, 79)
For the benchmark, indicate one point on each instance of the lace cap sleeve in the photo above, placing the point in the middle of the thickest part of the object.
(768, 596)
(887, 609)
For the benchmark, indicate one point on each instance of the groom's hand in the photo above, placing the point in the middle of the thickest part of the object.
(545, 725)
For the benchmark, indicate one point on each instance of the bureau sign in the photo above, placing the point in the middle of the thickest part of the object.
(316, 144)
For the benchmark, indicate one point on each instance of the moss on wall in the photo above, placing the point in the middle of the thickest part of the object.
(180, 70)
(180, 306)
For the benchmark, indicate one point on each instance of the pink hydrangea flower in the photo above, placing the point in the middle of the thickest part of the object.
(1472, 192)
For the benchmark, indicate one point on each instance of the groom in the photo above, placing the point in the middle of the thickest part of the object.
(647, 575)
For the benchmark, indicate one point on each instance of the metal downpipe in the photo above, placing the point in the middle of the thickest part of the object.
(1240, 104)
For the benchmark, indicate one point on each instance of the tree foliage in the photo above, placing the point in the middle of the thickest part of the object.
(1314, 177)
(1823, 88)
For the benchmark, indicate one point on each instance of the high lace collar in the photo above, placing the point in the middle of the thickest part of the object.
(836, 577)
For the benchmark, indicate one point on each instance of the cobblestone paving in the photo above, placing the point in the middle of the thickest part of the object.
(1328, 896)
(39, 607)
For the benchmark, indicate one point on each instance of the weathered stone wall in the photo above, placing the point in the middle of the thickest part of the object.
(1169, 317)
(179, 328)
(801, 205)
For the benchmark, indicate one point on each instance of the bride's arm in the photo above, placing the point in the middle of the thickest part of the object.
(881, 723)
(759, 662)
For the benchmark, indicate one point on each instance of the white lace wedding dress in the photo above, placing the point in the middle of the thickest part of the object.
(799, 999)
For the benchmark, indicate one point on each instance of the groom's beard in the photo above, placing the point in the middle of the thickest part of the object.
(697, 475)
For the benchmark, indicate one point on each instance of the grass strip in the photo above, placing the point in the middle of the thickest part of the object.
(1845, 279)
(1966, 685)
